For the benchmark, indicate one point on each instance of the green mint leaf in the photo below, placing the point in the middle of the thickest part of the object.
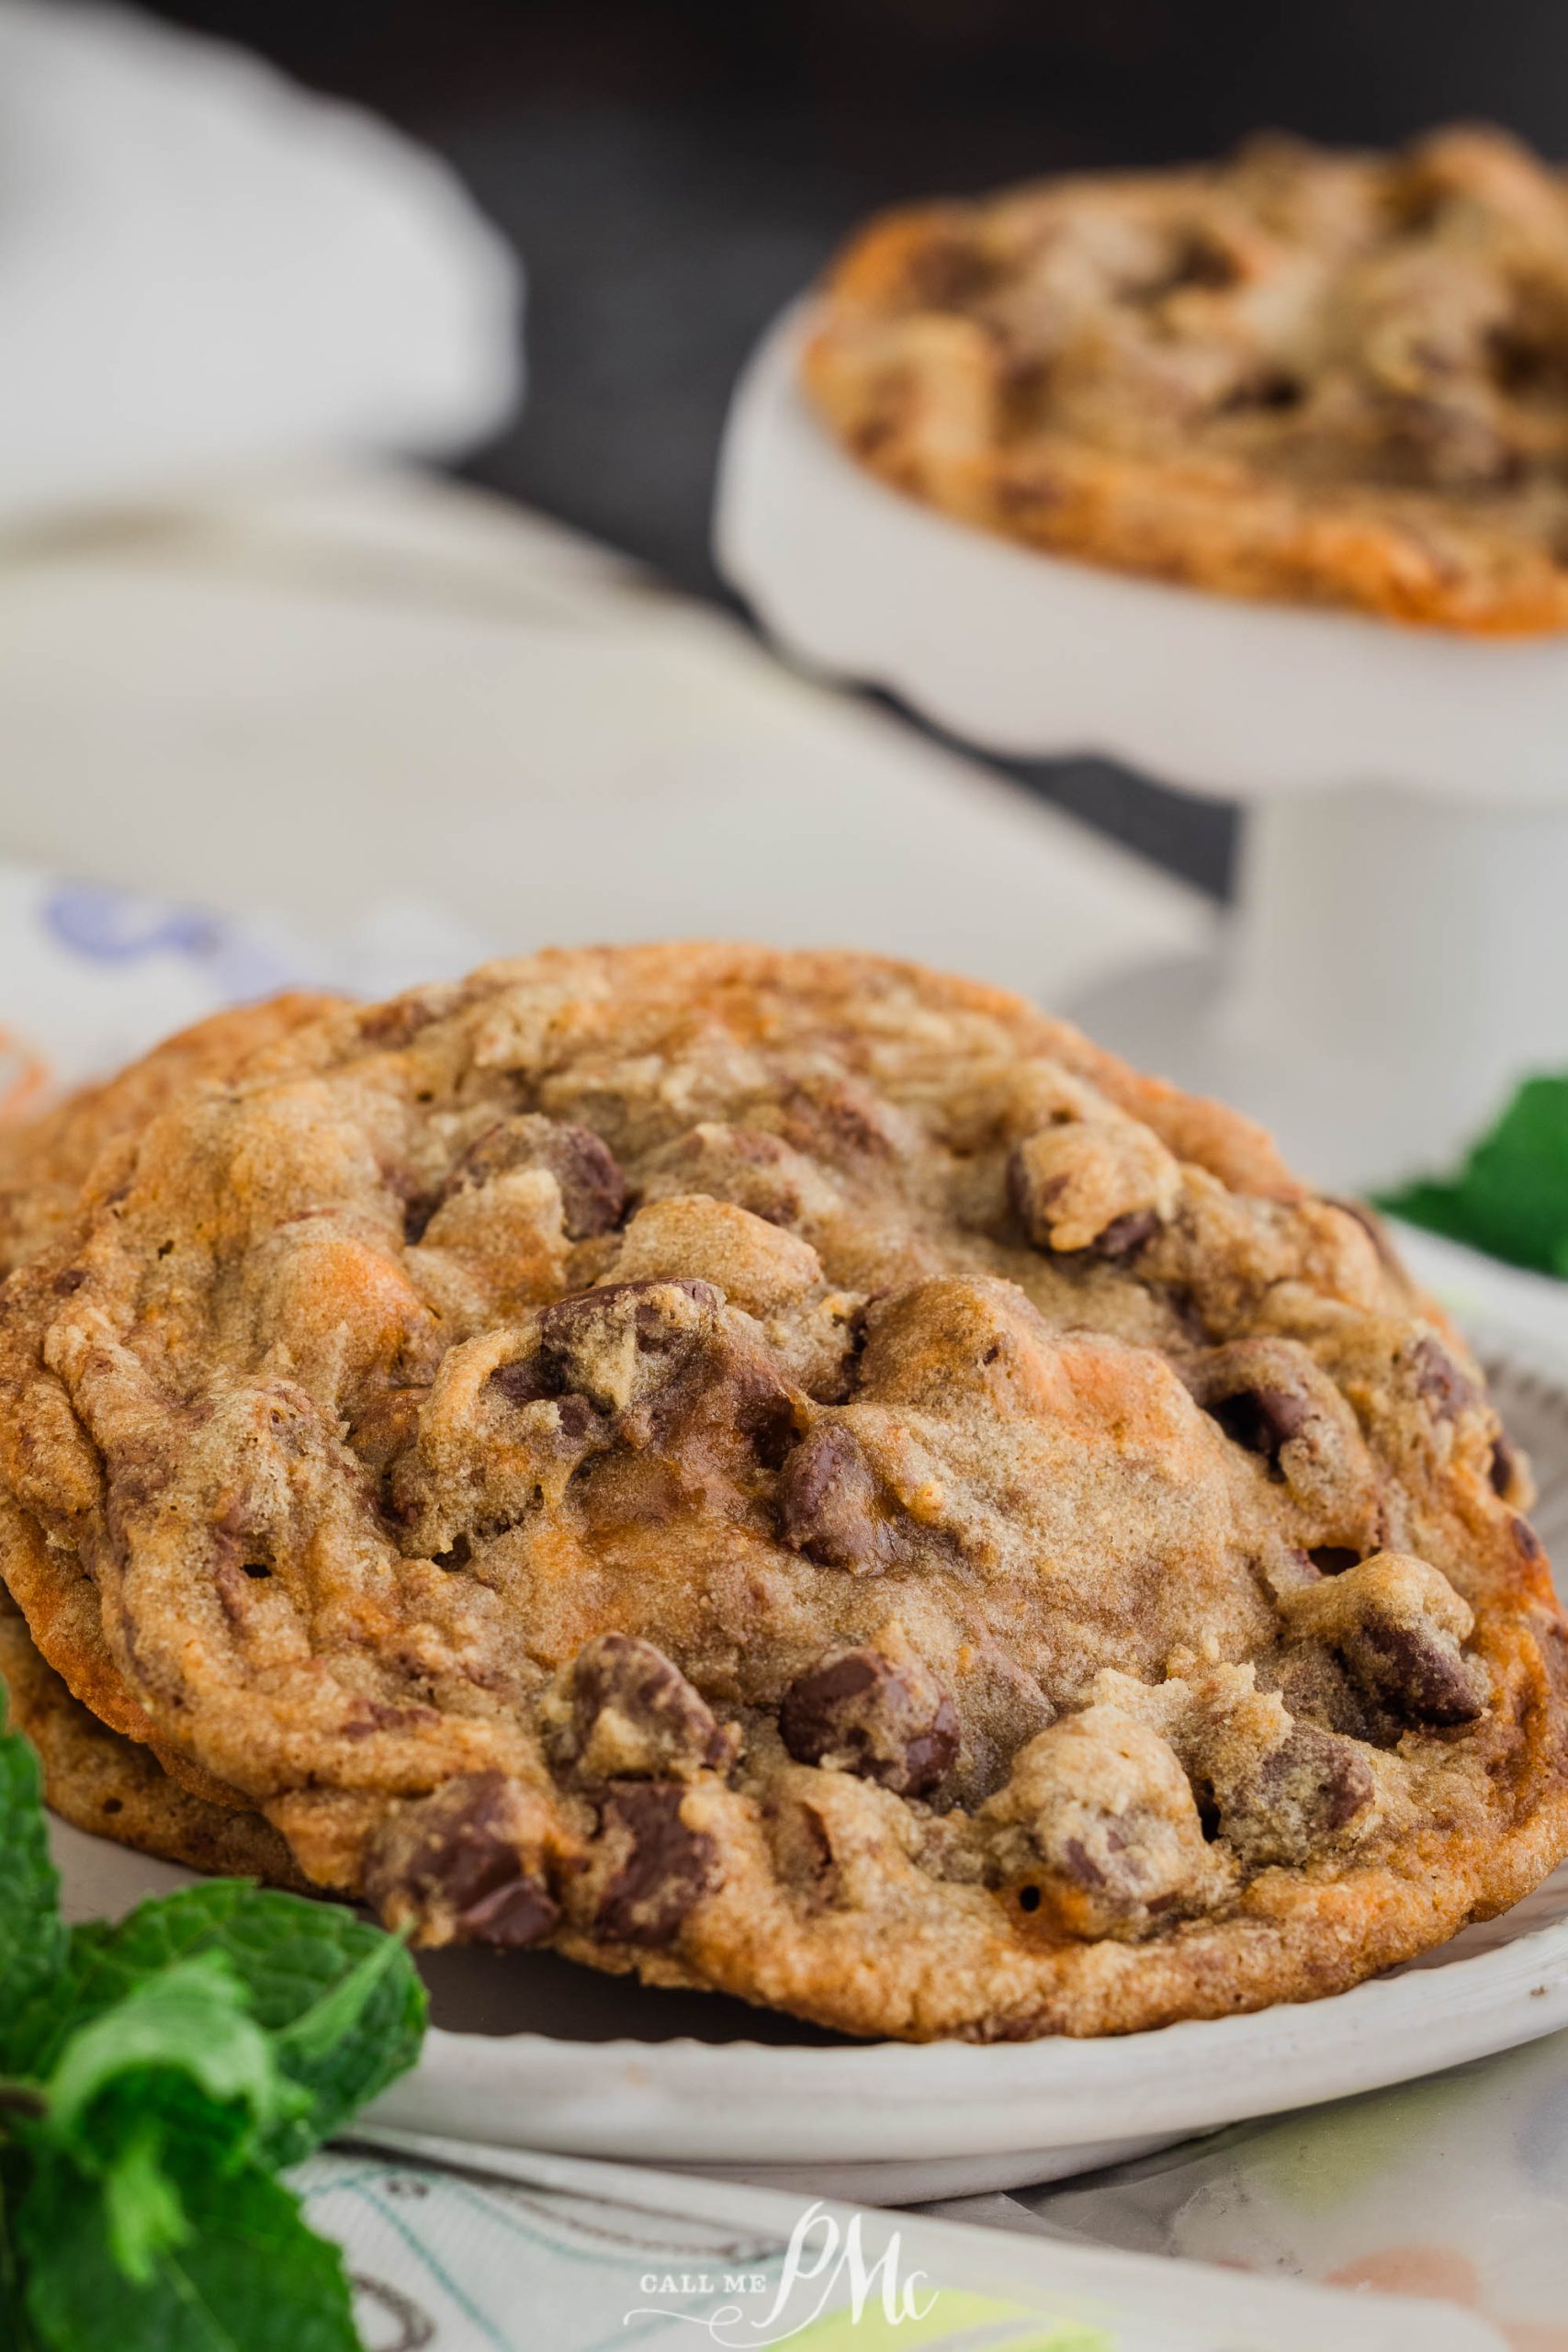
(32, 1940)
(142, 2212)
(192, 2021)
(296, 1958)
(1510, 1196)
(251, 2277)
(15, 2328)
(359, 2035)
(177, 2071)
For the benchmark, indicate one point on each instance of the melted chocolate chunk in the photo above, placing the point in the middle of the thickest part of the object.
(523, 1382)
(1416, 1672)
(451, 1866)
(1527, 1542)
(1439, 1381)
(859, 1711)
(1503, 1465)
(1262, 1419)
(1125, 1236)
(632, 1712)
(828, 1502)
(650, 1868)
(593, 1189)
(1299, 1796)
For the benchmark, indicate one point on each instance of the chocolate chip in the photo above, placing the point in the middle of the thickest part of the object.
(1527, 1542)
(1296, 1797)
(632, 1712)
(1263, 1393)
(1396, 1623)
(1416, 1670)
(577, 1420)
(593, 1189)
(641, 1308)
(1075, 1862)
(453, 1866)
(577, 1428)
(1125, 1236)
(1262, 1419)
(1259, 1391)
(1064, 1181)
(839, 1120)
(828, 1502)
(621, 1343)
(649, 1869)
(512, 1915)
(523, 1382)
(857, 1711)
(1438, 1380)
(1503, 1467)
(1123, 1239)
(746, 1166)
(417, 1213)
(1372, 1227)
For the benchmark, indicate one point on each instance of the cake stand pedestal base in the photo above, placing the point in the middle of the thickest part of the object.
(1394, 963)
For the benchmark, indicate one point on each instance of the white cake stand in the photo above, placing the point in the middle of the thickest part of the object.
(1399, 952)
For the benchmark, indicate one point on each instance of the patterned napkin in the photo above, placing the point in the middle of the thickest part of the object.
(1456, 2185)
(494, 2251)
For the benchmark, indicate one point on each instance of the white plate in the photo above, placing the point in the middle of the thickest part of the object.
(533, 2052)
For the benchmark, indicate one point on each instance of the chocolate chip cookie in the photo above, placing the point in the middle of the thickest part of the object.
(45, 1160)
(794, 1475)
(1330, 378)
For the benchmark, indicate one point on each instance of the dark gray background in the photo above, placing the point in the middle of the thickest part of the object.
(674, 171)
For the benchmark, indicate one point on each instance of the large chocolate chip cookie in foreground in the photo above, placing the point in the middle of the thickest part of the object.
(795, 1475)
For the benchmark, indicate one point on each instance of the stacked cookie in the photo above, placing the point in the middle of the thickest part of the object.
(788, 1473)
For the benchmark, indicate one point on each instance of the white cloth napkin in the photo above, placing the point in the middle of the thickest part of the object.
(204, 270)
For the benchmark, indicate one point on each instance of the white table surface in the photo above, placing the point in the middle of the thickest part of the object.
(326, 697)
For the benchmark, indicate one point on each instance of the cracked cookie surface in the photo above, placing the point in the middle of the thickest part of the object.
(796, 1474)
(1328, 378)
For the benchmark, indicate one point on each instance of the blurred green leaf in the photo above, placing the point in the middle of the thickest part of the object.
(1510, 1196)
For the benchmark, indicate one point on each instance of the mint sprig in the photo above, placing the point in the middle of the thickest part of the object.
(32, 1939)
(1509, 1196)
(154, 2077)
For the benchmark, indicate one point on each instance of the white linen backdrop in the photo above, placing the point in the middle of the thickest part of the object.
(205, 271)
